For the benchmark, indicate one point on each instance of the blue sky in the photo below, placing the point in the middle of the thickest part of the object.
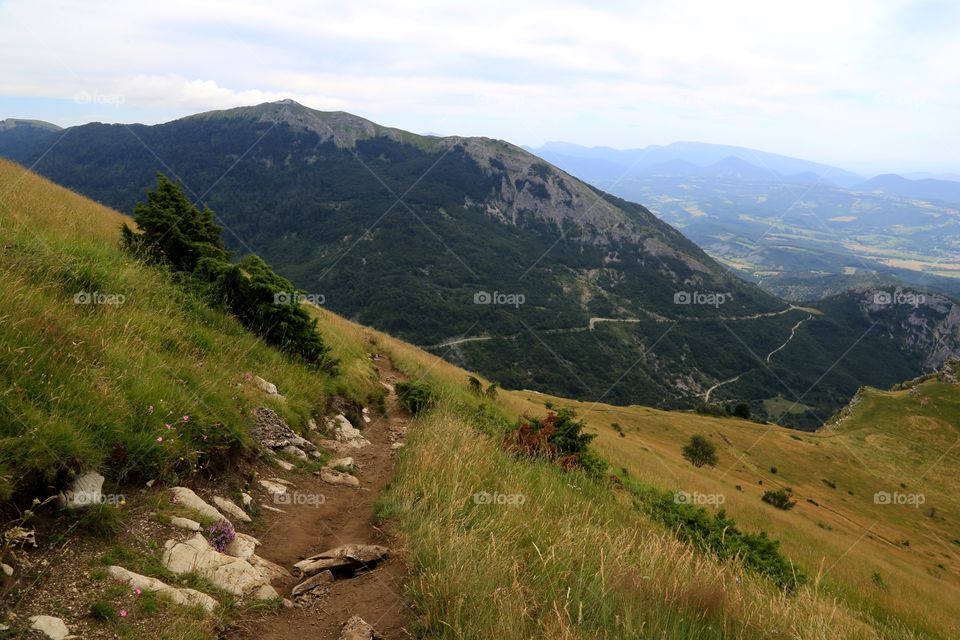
(869, 85)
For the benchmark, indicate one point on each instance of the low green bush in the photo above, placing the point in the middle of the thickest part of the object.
(780, 498)
(417, 397)
(718, 534)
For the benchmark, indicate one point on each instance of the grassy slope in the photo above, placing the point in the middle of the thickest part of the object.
(77, 381)
(574, 561)
(846, 538)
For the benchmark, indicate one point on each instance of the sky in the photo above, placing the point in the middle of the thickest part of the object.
(869, 85)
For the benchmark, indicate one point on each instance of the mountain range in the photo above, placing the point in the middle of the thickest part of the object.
(799, 229)
(504, 263)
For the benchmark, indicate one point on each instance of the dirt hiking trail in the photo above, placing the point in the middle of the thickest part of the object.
(344, 515)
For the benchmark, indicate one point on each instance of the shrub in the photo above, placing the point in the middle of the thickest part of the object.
(175, 233)
(104, 521)
(103, 611)
(742, 410)
(475, 385)
(780, 498)
(557, 437)
(172, 230)
(700, 451)
(268, 305)
(719, 535)
(416, 397)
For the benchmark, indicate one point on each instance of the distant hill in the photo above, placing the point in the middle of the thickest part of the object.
(924, 189)
(604, 163)
(926, 175)
(799, 229)
(12, 123)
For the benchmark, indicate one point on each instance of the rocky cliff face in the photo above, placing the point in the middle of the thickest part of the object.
(527, 189)
(926, 322)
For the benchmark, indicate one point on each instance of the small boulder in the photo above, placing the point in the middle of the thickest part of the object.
(242, 546)
(331, 476)
(356, 629)
(187, 498)
(6, 569)
(185, 523)
(267, 387)
(269, 570)
(231, 509)
(311, 583)
(342, 463)
(86, 490)
(273, 487)
(271, 430)
(348, 556)
(346, 433)
(265, 592)
(185, 597)
(53, 628)
(233, 575)
(294, 451)
(263, 505)
(303, 443)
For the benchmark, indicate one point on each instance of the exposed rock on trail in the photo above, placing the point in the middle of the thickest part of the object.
(356, 629)
(187, 498)
(53, 628)
(232, 510)
(348, 556)
(185, 597)
(233, 575)
(86, 491)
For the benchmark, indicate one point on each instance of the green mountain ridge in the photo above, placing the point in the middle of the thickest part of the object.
(517, 269)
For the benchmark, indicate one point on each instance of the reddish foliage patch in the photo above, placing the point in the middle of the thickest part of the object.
(531, 439)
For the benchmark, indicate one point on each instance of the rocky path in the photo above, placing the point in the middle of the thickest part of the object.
(706, 396)
(319, 516)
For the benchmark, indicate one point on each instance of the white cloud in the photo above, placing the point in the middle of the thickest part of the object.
(842, 81)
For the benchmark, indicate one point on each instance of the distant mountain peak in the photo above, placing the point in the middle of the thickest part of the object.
(343, 128)
(12, 123)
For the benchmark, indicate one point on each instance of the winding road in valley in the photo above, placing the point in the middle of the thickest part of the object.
(593, 322)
